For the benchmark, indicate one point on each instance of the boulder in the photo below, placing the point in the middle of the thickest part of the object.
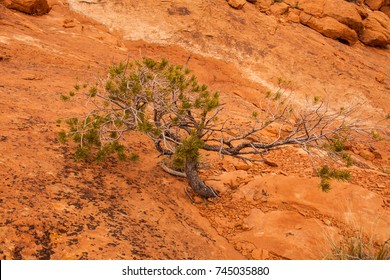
(252, 1)
(31, 7)
(376, 31)
(374, 4)
(236, 4)
(293, 16)
(330, 27)
(340, 10)
(345, 12)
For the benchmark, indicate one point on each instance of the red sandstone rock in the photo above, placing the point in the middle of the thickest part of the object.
(330, 27)
(340, 10)
(236, 4)
(293, 16)
(31, 7)
(376, 30)
(345, 13)
(312, 7)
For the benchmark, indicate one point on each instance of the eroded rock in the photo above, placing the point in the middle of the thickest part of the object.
(236, 4)
(312, 7)
(31, 7)
(330, 27)
(376, 31)
(340, 10)
(293, 16)
(345, 12)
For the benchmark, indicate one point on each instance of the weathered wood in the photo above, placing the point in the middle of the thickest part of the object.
(197, 183)
(171, 171)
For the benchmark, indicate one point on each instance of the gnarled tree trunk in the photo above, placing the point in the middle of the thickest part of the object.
(196, 183)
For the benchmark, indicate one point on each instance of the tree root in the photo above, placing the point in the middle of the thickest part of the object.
(171, 171)
(190, 196)
(196, 184)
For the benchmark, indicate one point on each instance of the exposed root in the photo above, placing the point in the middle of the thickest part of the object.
(190, 196)
(171, 171)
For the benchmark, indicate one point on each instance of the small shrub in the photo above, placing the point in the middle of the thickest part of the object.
(77, 87)
(134, 157)
(349, 161)
(337, 143)
(376, 135)
(62, 137)
(316, 100)
(82, 153)
(58, 123)
(325, 185)
(357, 247)
(326, 174)
(330, 173)
(64, 97)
